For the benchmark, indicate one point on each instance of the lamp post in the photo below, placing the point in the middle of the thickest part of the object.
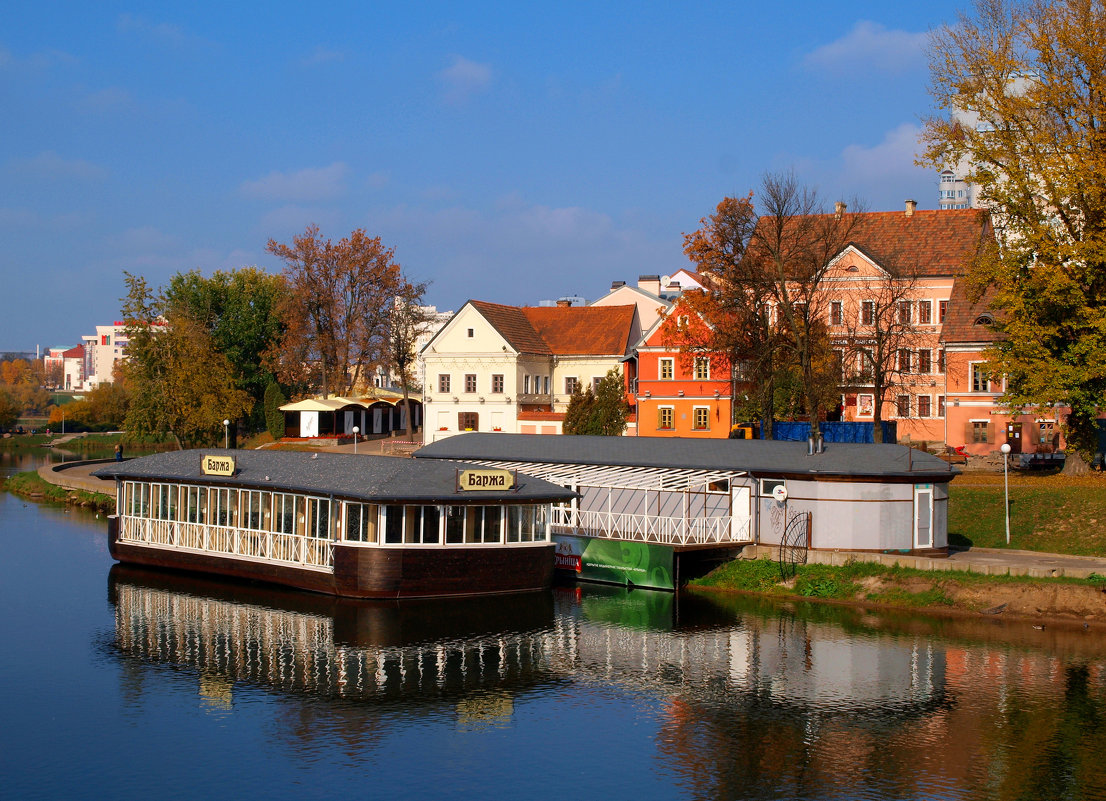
(226, 433)
(1006, 486)
(356, 431)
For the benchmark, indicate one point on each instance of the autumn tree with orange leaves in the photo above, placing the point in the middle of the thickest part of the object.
(765, 268)
(337, 310)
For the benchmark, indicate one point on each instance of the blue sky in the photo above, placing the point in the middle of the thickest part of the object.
(509, 152)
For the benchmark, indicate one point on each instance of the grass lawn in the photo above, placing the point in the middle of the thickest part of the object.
(1051, 513)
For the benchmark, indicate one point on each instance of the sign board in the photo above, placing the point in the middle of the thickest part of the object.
(218, 465)
(485, 480)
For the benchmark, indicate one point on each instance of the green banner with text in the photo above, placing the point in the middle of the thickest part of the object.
(616, 561)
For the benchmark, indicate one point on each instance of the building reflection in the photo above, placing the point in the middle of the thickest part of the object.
(751, 700)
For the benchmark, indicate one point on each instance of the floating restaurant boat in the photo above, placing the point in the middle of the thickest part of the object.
(352, 526)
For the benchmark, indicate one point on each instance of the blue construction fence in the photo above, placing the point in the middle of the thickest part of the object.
(834, 432)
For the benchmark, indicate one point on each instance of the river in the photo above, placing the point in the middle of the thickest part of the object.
(122, 683)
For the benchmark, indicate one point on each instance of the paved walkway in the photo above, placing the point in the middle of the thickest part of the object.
(992, 561)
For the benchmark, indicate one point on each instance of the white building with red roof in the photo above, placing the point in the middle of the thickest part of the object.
(498, 368)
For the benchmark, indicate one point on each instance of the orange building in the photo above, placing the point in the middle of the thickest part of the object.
(678, 394)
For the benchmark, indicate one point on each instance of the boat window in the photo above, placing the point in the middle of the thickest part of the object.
(284, 513)
(431, 520)
(221, 503)
(487, 524)
(455, 524)
(541, 523)
(318, 510)
(514, 523)
(253, 509)
(193, 504)
(393, 524)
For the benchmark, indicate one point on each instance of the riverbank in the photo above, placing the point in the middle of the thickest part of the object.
(32, 486)
(1071, 601)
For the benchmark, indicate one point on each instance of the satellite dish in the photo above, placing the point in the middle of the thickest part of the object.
(779, 492)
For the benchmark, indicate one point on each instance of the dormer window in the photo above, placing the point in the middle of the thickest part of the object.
(984, 319)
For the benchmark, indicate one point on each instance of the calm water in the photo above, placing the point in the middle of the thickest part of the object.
(121, 683)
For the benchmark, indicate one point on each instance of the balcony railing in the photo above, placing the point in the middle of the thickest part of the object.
(289, 549)
(651, 528)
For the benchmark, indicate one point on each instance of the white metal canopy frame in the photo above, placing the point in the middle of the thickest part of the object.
(610, 522)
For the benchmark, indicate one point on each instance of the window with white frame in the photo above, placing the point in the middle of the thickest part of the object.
(667, 369)
(868, 312)
(904, 312)
(902, 405)
(702, 368)
(940, 405)
(925, 361)
(925, 312)
(526, 385)
(942, 310)
(904, 360)
(595, 379)
(571, 384)
(980, 379)
(923, 404)
(837, 315)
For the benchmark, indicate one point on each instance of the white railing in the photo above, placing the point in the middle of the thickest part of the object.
(290, 549)
(650, 528)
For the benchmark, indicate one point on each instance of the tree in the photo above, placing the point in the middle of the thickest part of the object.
(602, 412)
(408, 320)
(104, 407)
(274, 417)
(240, 311)
(179, 381)
(9, 409)
(337, 310)
(766, 302)
(1032, 76)
(736, 306)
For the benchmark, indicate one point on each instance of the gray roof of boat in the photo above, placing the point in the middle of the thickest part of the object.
(758, 457)
(380, 479)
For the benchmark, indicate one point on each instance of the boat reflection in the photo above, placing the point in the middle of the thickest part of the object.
(329, 647)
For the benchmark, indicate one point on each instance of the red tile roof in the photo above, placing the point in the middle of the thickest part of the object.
(562, 330)
(936, 243)
(584, 330)
(962, 321)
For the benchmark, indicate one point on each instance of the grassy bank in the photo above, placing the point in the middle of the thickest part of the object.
(31, 485)
(1050, 513)
(900, 587)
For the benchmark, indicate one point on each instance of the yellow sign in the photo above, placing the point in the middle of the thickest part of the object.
(218, 465)
(485, 480)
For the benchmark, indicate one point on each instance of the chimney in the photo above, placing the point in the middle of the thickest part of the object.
(839, 209)
(910, 206)
(649, 283)
(617, 284)
(564, 303)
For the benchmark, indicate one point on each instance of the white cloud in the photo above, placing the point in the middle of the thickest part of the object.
(462, 79)
(159, 32)
(311, 184)
(520, 252)
(292, 220)
(893, 156)
(322, 55)
(143, 240)
(105, 100)
(869, 45)
(49, 165)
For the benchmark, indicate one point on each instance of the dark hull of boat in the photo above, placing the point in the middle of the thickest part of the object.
(371, 572)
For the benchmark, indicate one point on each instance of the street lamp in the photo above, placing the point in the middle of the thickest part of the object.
(356, 431)
(1006, 486)
(226, 433)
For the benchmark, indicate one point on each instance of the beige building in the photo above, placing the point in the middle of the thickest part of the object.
(498, 368)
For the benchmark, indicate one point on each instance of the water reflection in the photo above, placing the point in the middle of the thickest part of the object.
(749, 699)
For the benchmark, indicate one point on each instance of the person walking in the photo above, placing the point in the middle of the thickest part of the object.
(118, 451)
